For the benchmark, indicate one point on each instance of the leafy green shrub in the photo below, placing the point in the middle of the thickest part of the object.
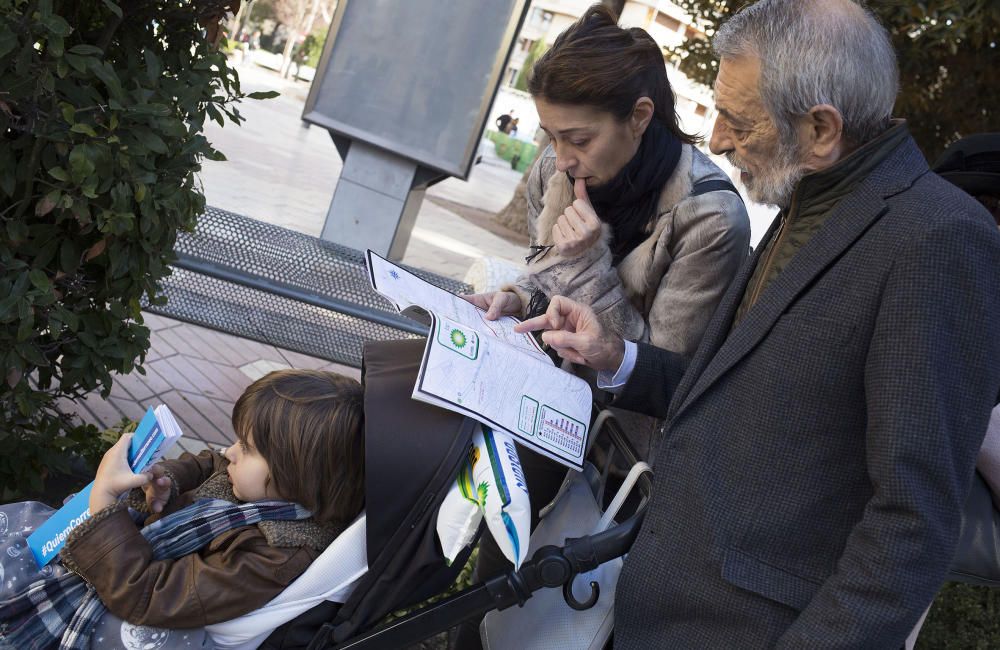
(963, 617)
(312, 47)
(102, 109)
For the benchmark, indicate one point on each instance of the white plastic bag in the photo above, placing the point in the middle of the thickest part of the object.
(460, 512)
(490, 483)
(546, 621)
(506, 505)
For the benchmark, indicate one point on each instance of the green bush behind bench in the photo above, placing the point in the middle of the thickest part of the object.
(102, 111)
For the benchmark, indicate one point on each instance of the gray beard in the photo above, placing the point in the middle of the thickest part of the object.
(775, 184)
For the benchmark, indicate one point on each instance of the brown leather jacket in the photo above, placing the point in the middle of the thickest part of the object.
(237, 572)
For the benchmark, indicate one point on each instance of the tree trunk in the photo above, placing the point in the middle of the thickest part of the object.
(303, 25)
(307, 24)
(233, 27)
(244, 16)
(514, 215)
(286, 54)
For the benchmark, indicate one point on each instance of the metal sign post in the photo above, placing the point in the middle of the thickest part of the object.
(376, 201)
(404, 87)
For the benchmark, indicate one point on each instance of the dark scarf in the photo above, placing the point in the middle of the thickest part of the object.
(628, 202)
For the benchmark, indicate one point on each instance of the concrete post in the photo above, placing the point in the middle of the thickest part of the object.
(376, 201)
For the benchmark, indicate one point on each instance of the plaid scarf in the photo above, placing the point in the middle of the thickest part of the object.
(65, 610)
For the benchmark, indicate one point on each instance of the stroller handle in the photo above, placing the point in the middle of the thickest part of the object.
(550, 566)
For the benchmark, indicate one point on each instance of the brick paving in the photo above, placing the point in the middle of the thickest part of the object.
(198, 373)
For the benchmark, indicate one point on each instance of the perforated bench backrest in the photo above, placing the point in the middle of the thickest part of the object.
(285, 288)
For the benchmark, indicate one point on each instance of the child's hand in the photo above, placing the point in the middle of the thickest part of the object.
(114, 477)
(157, 490)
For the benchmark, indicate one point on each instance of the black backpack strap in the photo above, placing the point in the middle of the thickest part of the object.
(704, 187)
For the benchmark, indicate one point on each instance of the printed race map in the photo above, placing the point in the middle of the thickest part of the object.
(405, 290)
(503, 387)
(487, 371)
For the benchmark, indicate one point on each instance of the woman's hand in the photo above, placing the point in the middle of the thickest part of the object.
(158, 489)
(578, 227)
(114, 477)
(497, 303)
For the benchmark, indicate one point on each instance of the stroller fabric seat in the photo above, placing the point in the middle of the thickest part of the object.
(331, 577)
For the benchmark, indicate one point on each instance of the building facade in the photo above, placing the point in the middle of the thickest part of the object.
(667, 23)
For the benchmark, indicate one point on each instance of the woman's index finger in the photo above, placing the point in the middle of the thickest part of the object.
(580, 190)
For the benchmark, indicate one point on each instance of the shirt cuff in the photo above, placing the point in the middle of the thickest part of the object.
(614, 383)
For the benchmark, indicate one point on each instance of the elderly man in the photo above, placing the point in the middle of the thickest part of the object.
(820, 443)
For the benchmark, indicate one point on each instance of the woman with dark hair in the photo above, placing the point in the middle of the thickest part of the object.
(624, 213)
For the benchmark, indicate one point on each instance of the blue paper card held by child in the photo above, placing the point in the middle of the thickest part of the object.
(155, 434)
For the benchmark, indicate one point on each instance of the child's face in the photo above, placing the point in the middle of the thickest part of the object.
(248, 472)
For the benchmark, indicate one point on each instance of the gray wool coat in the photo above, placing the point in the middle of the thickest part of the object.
(817, 457)
(665, 291)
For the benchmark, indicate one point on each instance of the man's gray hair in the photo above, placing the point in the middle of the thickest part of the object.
(811, 53)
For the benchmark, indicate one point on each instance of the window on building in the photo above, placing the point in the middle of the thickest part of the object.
(669, 22)
(541, 17)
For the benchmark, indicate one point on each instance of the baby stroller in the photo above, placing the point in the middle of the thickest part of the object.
(390, 557)
(404, 491)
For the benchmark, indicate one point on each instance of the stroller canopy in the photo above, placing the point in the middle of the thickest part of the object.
(412, 455)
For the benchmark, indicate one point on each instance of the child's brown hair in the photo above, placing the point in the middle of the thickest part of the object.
(309, 427)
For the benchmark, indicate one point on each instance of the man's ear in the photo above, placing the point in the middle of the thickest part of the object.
(642, 114)
(823, 133)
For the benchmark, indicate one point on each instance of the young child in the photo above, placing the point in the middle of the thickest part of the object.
(300, 440)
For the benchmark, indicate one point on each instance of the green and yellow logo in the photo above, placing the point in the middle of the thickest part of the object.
(457, 339)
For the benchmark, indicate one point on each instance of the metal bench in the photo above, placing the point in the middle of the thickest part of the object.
(280, 287)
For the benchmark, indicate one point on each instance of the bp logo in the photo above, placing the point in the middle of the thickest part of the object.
(457, 339)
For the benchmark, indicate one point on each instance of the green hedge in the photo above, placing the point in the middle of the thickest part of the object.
(508, 147)
(963, 617)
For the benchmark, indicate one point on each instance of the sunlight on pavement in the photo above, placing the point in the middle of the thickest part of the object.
(444, 241)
